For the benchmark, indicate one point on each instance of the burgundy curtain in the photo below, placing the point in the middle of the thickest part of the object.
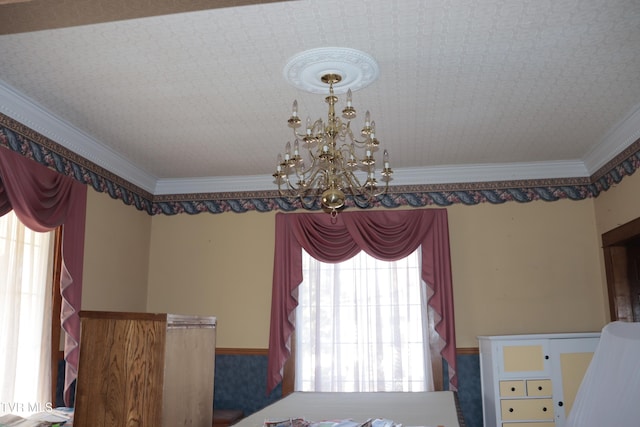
(44, 199)
(386, 235)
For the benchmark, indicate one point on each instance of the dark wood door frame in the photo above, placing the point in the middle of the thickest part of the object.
(616, 244)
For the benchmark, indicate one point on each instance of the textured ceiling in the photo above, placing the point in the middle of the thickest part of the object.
(201, 93)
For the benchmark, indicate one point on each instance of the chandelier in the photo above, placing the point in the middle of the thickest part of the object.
(328, 159)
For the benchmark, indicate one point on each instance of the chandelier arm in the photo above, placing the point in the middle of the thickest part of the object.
(364, 143)
(346, 134)
(349, 157)
(300, 174)
(286, 191)
(299, 135)
(380, 191)
(316, 186)
(291, 194)
(289, 188)
(298, 191)
(311, 181)
(352, 182)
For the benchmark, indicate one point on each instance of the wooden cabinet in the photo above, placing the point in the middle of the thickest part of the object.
(532, 380)
(145, 370)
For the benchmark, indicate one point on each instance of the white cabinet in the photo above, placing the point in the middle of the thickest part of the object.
(532, 380)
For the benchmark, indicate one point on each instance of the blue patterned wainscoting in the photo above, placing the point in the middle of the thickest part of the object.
(60, 385)
(469, 386)
(240, 383)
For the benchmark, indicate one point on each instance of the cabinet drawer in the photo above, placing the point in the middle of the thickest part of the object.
(515, 388)
(550, 424)
(526, 409)
(539, 388)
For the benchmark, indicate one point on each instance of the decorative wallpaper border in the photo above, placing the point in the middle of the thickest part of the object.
(31, 144)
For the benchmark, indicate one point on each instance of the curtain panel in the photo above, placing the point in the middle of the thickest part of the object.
(386, 235)
(44, 199)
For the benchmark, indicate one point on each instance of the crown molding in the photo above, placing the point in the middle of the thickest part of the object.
(622, 135)
(28, 112)
(489, 172)
(402, 176)
(218, 184)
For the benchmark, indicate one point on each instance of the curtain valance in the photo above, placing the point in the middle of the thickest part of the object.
(44, 199)
(386, 235)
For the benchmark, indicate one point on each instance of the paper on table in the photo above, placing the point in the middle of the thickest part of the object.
(48, 417)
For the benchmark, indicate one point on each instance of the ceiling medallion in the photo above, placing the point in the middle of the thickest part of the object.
(327, 159)
(357, 69)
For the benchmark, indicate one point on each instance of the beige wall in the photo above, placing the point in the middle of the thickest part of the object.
(619, 205)
(116, 258)
(215, 264)
(525, 268)
(517, 267)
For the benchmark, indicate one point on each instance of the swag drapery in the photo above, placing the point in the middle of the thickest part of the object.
(44, 199)
(386, 235)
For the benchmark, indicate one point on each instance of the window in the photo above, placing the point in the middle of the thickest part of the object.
(390, 235)
(25, 317)
(362, 325)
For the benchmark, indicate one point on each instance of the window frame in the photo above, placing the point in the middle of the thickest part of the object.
(289, 371)
(56, 305)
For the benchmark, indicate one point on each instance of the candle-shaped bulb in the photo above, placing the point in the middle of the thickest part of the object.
(296, 148)
(368, 153)
(373, 129)
(349, 98)
(278, 165)
(294, 109)
(385, 159)
(287, 151)
(308, 125)
(367, 119)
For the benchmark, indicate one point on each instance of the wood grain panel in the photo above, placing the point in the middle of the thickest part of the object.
(189, 392)
(94, 357)
(145, 370)
(243, 351)
(141, 386)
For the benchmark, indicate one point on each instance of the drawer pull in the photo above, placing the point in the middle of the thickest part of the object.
(544, 409)
(513, 389)
(546, 357)
(510, 409)
(560, 403)
(540, 387)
